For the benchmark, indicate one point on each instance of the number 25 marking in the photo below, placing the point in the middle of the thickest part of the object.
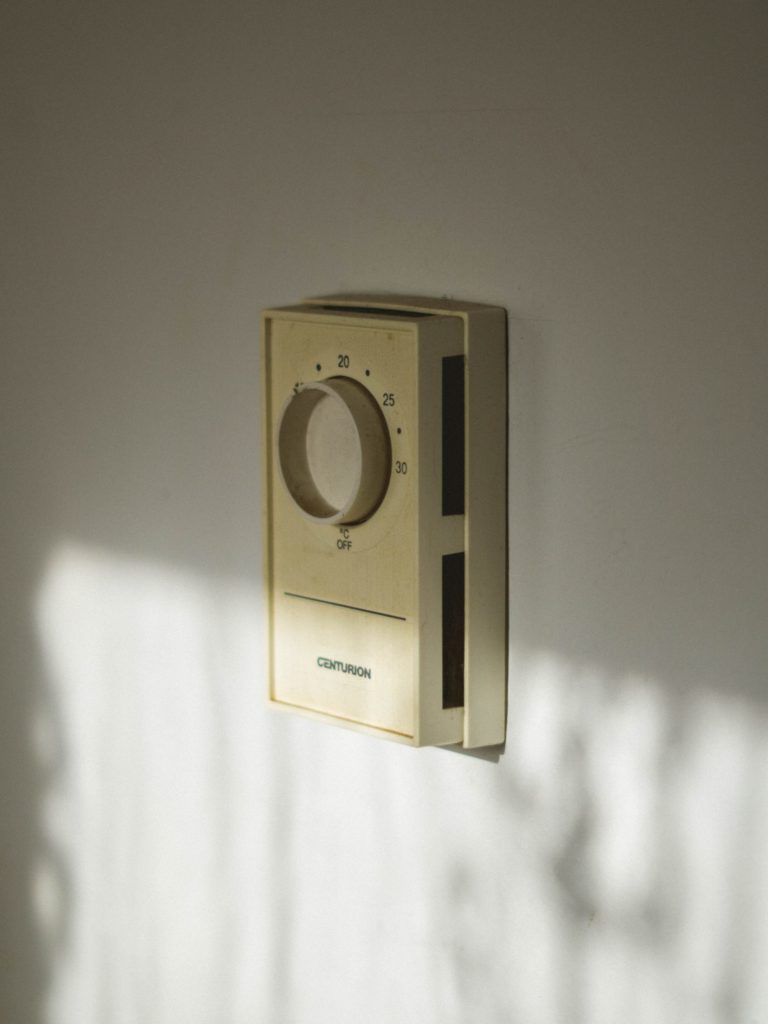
(389, 398)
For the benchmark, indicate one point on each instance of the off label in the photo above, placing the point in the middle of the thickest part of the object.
(343, 541)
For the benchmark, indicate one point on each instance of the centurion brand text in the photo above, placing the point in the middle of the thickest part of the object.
(344, 666)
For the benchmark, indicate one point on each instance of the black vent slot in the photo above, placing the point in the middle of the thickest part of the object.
(368, 311)
(453, 630)
(453, 436)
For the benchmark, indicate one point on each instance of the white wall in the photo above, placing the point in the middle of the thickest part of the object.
(171, 852)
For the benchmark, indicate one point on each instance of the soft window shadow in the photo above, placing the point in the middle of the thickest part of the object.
(35, 877)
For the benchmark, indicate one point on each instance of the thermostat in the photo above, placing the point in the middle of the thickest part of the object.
(385, 515)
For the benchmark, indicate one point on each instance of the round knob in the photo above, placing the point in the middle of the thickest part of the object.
(334, 451)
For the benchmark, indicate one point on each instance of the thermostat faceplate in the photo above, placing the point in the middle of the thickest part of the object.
(385, 515)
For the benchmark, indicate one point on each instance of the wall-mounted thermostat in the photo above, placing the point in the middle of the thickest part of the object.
(385, 515)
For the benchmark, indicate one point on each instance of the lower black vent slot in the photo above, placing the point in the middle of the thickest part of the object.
(453, 630)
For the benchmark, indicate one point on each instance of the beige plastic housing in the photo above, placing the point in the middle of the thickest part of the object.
(385, 515)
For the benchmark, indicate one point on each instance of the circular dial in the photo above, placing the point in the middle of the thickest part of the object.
(334, 451)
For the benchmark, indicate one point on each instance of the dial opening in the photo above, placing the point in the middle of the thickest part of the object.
(334, 451)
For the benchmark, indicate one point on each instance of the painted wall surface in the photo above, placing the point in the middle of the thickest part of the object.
(172, 852)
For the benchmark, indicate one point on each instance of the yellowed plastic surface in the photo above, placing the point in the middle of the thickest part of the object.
(355, 616)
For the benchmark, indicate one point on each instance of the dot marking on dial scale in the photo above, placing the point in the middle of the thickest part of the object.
(318, 367)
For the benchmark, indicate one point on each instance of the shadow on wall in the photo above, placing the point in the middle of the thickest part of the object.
(635, 767)
(621, 873)
(625, 826)
(626, 822)
(637, 489)
(29, 763)
(649, 811)
(604, 166)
